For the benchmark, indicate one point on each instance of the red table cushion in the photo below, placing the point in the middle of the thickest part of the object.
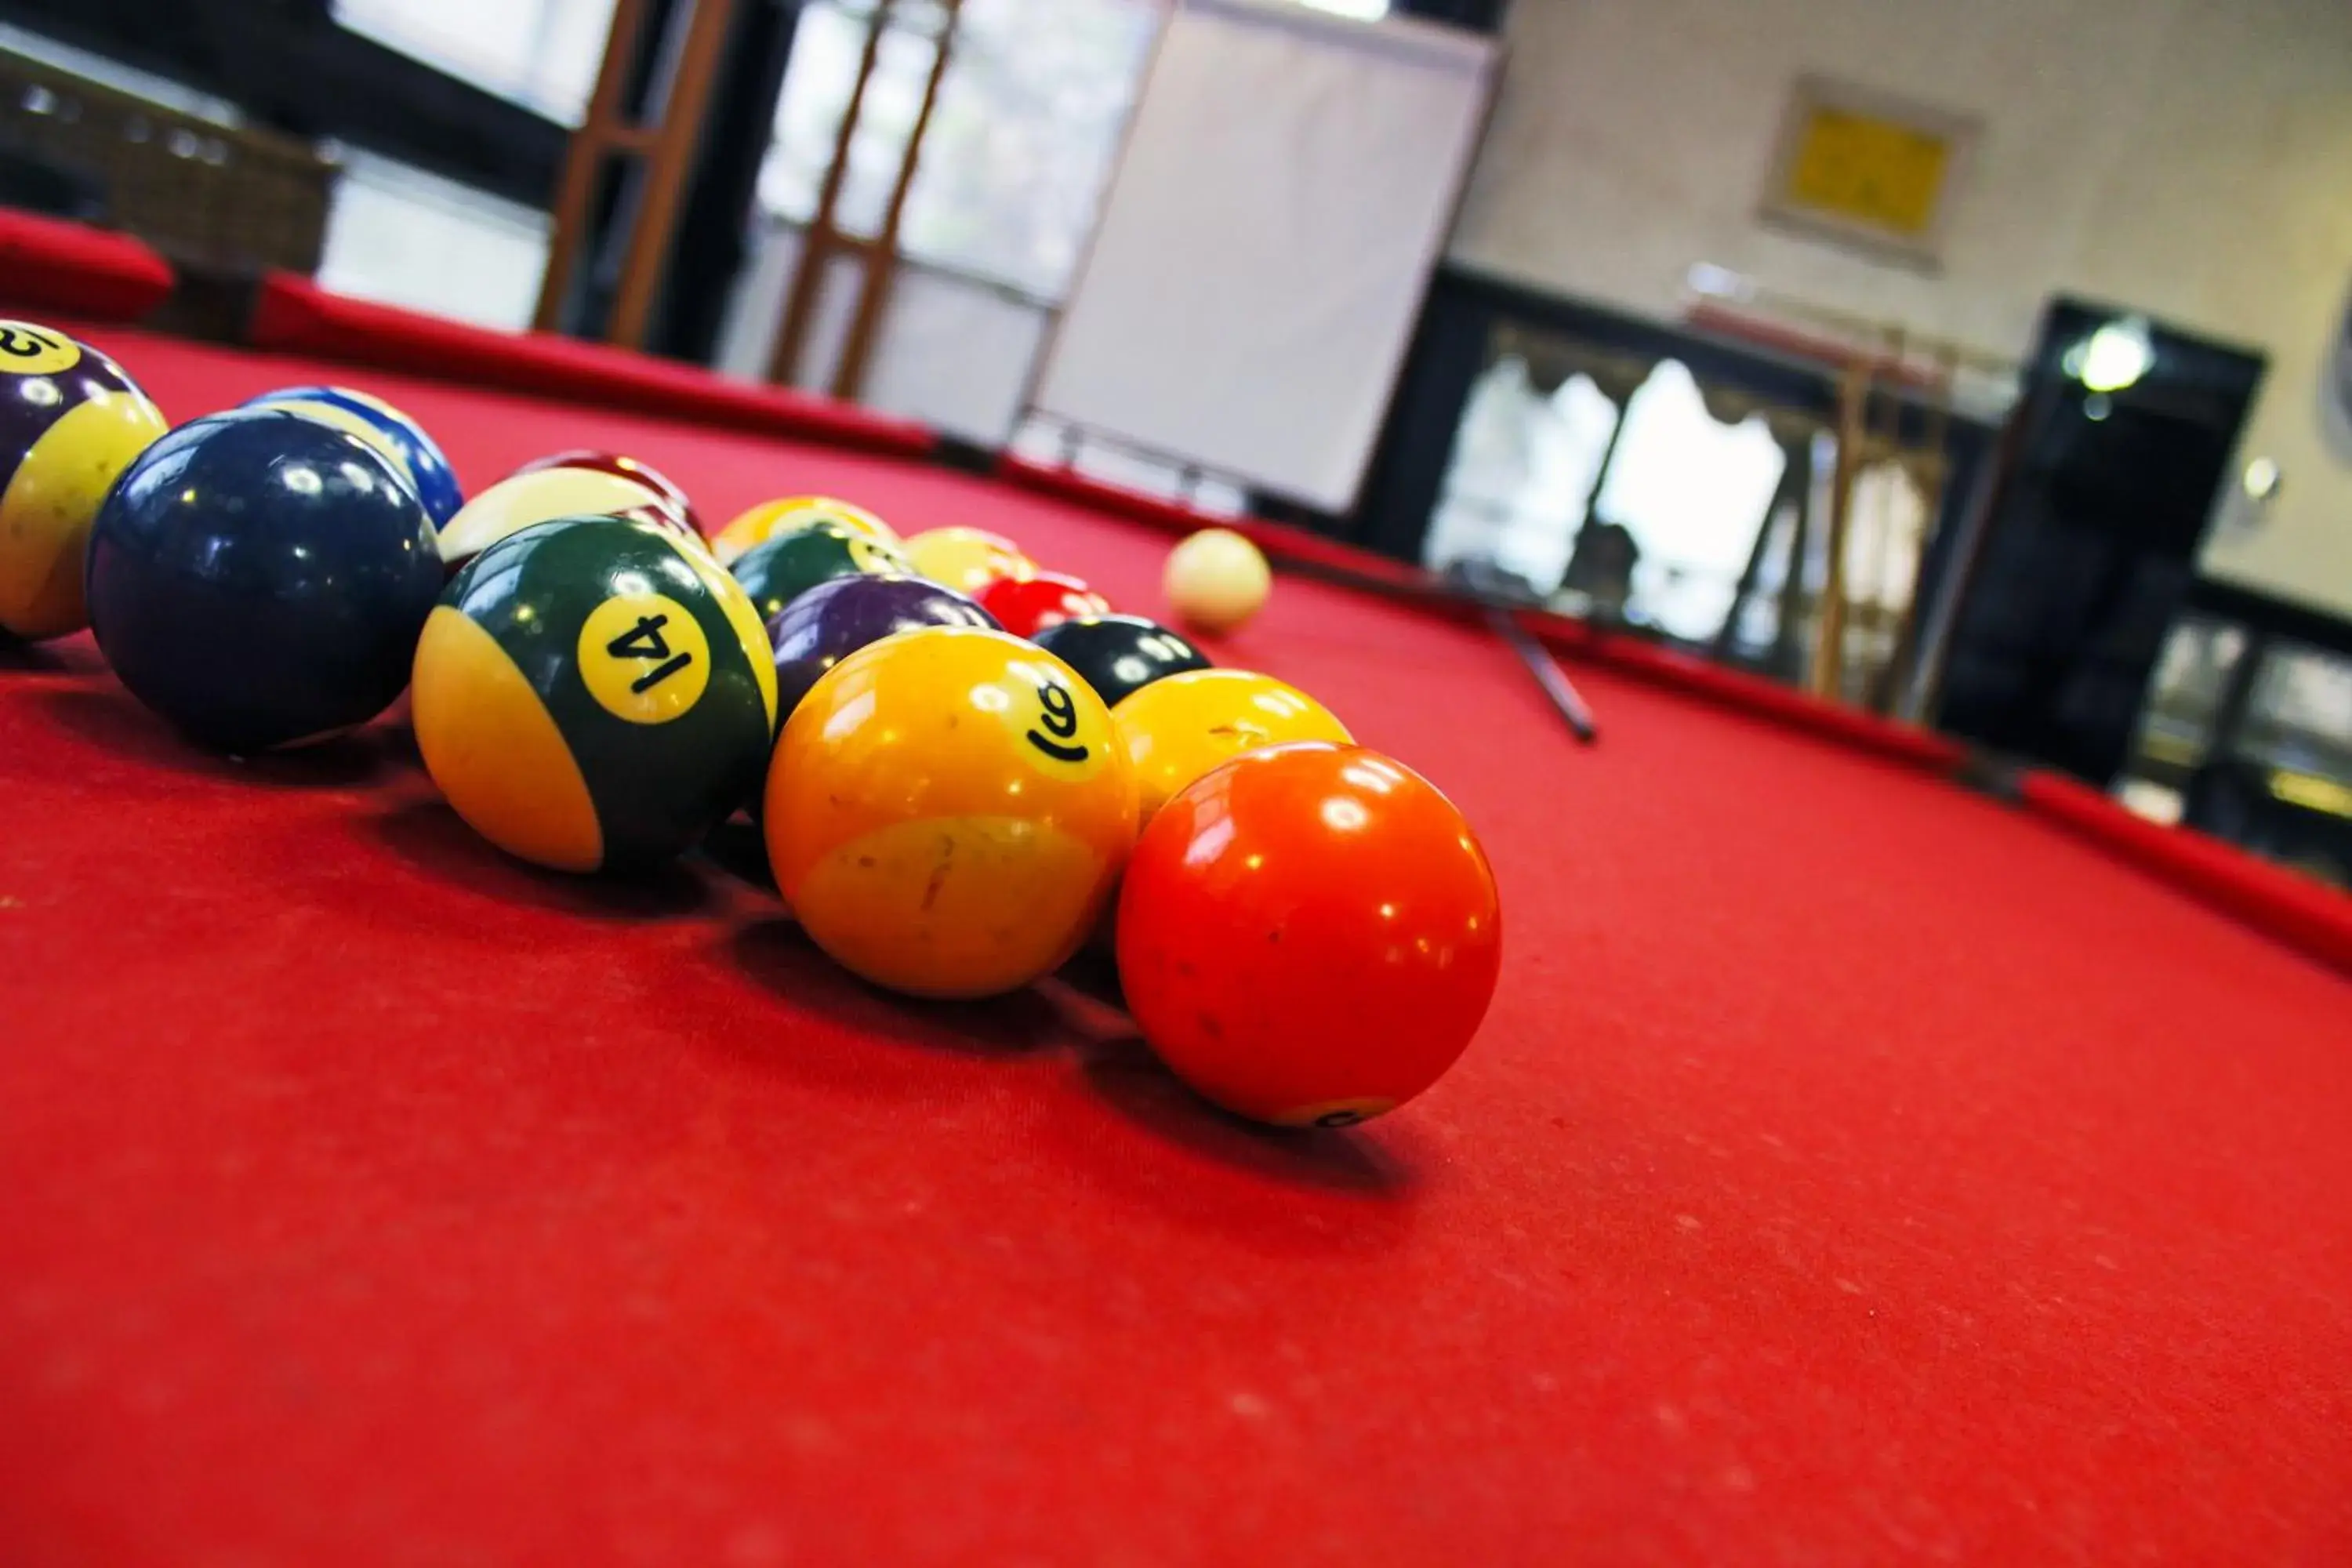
(49, 264)
(2298, 910)
(294, 315)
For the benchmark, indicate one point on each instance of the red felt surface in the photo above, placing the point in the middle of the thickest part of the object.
(294, 315)
(1851, 1169)
(49, 264)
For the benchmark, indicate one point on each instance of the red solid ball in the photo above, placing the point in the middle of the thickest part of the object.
(1027, 606)
(1309, 935)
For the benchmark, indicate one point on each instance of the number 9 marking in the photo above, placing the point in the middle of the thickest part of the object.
(1059, 719)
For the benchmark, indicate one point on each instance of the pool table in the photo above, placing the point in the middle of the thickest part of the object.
(1854, 1166)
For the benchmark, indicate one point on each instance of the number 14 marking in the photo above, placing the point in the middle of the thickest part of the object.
(644, 640)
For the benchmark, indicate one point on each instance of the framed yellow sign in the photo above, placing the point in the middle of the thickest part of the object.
(1868, 169)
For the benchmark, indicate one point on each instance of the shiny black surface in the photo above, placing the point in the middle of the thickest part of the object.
(1120, 655)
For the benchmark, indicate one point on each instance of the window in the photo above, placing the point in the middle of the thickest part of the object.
(1020, 141)
(1692, 492)
(1680, 495)
(408, 238)
(540, 53)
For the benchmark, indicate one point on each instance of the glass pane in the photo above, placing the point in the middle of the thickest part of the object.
(2300, 713)
(826, 47)
(1691, 494)
(408, 237)
(544, 53)
(2184, 697)
(1028, 122)
(885, 121)
(1523, 467)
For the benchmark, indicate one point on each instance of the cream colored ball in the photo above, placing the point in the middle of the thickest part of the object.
(1216, 580)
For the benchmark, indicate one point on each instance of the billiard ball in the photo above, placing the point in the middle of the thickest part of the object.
(1026, 606)
(1309, 935)
(1175, 730)
(789, 565)
(260, 578)
(1119, 655)
(70, 421)
(1216, 580)
(414, 454)
(592, 693)
(967, 559)
(756, 525)
(627, 467)
(520, 501)
(946, 814)
(832, 620)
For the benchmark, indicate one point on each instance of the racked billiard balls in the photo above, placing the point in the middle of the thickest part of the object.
(967, 559)
(756, 525)
(525, 500)
(1175, 730)
(259, 579)
(627, 467)
(1309, 935)
(789, 565)
(70, 421)
(1120, 655)
(1026, 606)
(414, 455)
(593, 693)
(835, 618)
(946, 814)
(1217, 580)
(520, 500)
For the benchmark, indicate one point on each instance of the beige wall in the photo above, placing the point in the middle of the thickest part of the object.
(2190, 157)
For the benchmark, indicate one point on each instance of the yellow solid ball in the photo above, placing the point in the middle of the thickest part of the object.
(1216, 580)
(1179, 728)
(967, 559)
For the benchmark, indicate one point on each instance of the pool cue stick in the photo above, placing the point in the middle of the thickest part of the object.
(1500, 611)
(1565, 698)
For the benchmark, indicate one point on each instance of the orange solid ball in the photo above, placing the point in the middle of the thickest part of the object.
(1309, 935)
(946, 813)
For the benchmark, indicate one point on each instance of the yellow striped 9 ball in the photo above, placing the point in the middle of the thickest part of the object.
(947, 814)
(70, 422)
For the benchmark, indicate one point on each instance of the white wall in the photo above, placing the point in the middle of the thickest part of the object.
(2192, 158)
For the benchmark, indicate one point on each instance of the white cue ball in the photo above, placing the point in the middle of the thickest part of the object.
(1216, 580)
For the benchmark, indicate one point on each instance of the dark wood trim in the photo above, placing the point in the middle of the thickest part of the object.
(677, 131)
(604, 132)
(820, 237)
(879, 266)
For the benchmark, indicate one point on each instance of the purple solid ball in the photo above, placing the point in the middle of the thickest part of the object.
(832, 620)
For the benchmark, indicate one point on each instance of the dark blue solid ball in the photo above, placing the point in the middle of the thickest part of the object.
(259, 578)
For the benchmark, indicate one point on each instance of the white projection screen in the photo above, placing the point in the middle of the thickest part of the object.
(1287, 184)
